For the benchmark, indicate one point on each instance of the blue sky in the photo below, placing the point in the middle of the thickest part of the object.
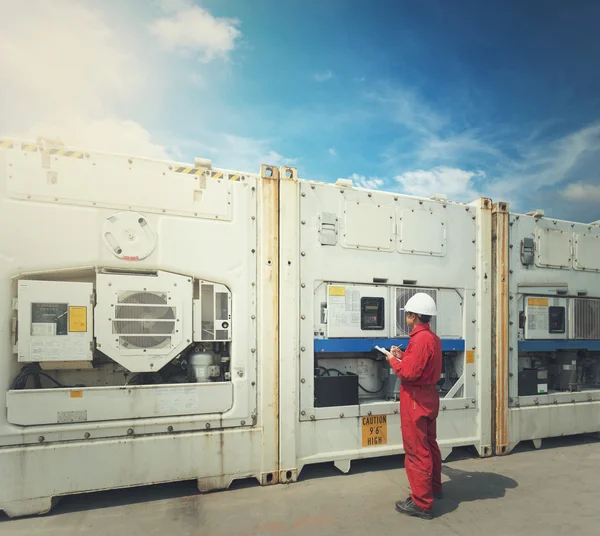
(465, 98)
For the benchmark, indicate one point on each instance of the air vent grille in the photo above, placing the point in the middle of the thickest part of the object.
(586, 319)
(144, 320)
(402, 296)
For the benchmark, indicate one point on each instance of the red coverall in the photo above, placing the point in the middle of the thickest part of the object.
(419, 370)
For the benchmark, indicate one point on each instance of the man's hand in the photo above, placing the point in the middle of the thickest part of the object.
(396, 352)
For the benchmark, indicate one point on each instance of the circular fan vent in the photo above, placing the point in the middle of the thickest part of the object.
(144, 320)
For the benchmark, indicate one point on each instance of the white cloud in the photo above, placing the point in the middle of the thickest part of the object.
(455, 147)
(372, 183)
(332, 152)
(190, 28)
(63, 55)
(64, 70)
(323, 77)
(406, 107)
(109, 135)
(582, 193)
(544, 165)
(456, 183)
(239, 152)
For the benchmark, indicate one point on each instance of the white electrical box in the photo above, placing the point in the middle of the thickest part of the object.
(55, 321)
(212, 313)
(545, 318)
(357, 311)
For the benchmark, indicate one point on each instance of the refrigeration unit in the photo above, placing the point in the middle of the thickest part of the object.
(547, 328)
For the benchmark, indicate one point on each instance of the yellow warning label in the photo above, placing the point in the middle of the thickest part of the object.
(538, 301)
(5, 144)
(78, 319)
(217, 175)
(76, 394)
(30, 147)
(234, 177)
(374, 431)
(470, 357)
(337, 291)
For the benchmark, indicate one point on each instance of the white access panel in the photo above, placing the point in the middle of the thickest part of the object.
(587, 252)
(55, 321)
(553, 248)
(422, 232)
(62, 406)
(368, 226)
(344, 310)
(178, 188)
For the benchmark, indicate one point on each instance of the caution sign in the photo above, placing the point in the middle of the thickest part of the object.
(374, 430)
(78, 319)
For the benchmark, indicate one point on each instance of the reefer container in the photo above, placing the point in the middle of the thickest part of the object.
(138, 323)
(350, 259)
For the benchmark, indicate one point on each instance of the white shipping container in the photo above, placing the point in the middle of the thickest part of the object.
(547, 325)
(350, 258)
(143, 300)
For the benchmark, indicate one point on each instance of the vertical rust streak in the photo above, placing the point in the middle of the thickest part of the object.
(501, 328)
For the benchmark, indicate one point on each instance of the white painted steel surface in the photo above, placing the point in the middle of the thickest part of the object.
(558, 269)
(53, 210)
(460, 259)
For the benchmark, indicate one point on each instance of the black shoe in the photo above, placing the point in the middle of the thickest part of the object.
(409, 508)
(438, 496)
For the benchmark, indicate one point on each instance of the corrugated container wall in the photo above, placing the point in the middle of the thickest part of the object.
(547, 328)
(138, 307)
(350, 258)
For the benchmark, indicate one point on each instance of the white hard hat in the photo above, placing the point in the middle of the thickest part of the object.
(421, 304)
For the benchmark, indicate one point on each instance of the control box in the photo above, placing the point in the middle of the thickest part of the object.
(357, 311)
(55, 321)
(544, 318)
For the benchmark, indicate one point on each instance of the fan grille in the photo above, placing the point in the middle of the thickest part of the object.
(144, 320)
(586, 318)
(402, 296)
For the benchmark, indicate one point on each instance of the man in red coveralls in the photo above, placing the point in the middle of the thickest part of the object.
(419, 368)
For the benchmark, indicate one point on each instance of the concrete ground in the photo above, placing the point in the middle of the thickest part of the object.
(551, 491)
